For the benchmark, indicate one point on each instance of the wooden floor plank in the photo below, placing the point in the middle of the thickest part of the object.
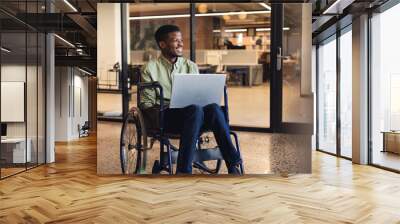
(70, 191)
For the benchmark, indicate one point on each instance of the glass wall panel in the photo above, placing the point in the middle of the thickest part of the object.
(234, 39)
(385, 89)
(31, 97)
(346, 93)
(297, 97)
(327, 96)
(22, 89)
(14, 153)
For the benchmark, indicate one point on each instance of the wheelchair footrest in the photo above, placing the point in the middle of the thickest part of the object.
(199, 155)
(207, 154)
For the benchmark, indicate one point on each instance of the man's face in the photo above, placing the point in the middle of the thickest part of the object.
(173, 45)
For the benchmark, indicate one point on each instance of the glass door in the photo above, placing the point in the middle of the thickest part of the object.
(234, 39)
(291, 89)
(297, 96)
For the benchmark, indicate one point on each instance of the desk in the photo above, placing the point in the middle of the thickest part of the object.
(249, 74)
(13, 150)
(391, 141)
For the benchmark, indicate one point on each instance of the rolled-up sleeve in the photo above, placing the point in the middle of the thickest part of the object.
(147, 96)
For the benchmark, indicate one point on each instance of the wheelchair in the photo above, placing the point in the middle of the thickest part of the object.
(135, 144)
(84, 129)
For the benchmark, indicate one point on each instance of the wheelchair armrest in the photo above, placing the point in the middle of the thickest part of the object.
(226, 110)
(155, 85)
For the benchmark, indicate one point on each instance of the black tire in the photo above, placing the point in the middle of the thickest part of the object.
(130, 144)
(156, 167)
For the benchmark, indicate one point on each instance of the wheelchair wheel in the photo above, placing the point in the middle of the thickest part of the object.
(133, 143)
(156, 167)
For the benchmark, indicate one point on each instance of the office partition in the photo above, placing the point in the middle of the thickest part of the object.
(22, 88)
(238, 45)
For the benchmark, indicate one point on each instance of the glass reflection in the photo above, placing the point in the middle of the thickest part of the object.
(327, 96)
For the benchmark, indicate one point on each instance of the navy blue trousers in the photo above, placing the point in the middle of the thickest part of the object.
(189, 122)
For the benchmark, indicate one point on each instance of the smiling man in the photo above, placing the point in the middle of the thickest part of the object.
(190, 120)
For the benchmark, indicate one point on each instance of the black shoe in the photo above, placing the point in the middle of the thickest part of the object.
(234, 170)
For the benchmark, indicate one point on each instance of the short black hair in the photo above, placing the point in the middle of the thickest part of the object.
(163, 31)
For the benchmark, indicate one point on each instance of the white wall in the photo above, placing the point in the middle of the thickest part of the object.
(33, 126)
(108, 38)
(12, 73)
(71, 95)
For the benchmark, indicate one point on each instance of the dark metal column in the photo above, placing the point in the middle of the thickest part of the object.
(338, 120)
(276, 66)
(193, 32)
(124, 59)
(317, 97)
(369, 97)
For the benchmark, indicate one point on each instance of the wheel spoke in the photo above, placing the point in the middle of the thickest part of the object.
(128, 143)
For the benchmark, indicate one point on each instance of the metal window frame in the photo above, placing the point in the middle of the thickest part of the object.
(340, 31)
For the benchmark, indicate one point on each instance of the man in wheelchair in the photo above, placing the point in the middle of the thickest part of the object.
(189, 121)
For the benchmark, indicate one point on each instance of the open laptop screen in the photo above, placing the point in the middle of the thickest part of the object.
(198, 89)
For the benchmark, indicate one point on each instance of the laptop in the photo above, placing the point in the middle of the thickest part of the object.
(198, 89)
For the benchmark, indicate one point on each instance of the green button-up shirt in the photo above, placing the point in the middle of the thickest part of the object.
(162, 71)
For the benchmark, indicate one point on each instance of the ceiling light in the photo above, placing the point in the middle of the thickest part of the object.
(70, 5)
(265, 6)
(233, 13)
(65, 41)
(5, 50)
(202, 8)
(84, 71)
(159, 17)
(231, 31)
(269, 29)
(242, 16)
(226, 17)
(263, 29)
(204, 14)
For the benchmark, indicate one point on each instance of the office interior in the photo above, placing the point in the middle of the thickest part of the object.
(233, 44)
(22, 99)
(43, 99)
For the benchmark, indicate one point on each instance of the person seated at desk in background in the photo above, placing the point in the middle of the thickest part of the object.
(190, 120)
